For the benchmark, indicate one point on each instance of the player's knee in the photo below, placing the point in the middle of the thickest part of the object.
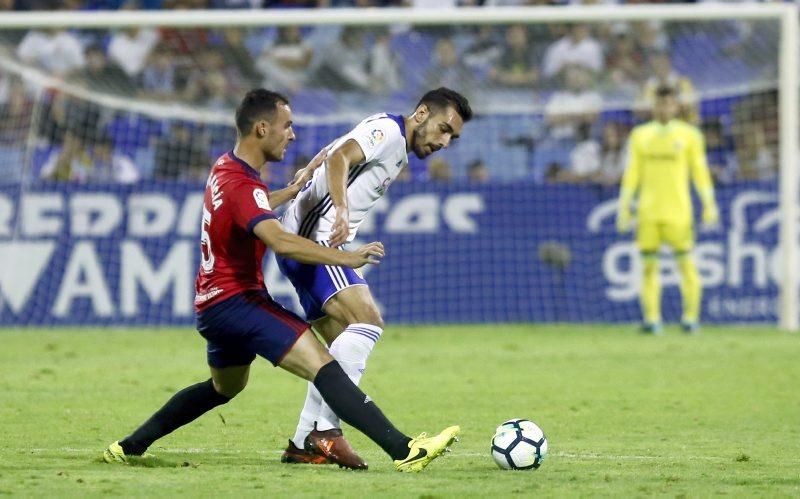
(328, 329)
(230, 388)
(691, 278)
(306, 357)
(367, 315)
(650, 264)
(313, 363)
(375, 320)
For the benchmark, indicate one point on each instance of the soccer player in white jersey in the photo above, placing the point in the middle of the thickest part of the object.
(329, 209)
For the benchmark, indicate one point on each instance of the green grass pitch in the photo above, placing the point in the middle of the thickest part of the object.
(715, 414)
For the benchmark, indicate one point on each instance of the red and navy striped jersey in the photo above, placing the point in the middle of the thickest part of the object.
(235, 201)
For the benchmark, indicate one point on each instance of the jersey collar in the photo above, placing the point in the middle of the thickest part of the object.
(400, 122)
(247, 168)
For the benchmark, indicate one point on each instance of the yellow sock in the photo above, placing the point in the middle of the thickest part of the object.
(651, 288)
(691, 288)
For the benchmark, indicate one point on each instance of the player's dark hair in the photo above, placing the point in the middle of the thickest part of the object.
(258, 104)
(665, 91)
(439, 99)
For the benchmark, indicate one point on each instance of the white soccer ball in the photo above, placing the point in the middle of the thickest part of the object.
(519, 444)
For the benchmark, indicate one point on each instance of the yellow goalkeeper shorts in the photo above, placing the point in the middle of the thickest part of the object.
(651, 235)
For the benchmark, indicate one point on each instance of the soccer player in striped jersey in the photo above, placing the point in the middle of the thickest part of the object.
(237, 316)
(329, 209)
(664, 155)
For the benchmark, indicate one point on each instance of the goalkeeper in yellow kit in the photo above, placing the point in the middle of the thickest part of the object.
(664, 154)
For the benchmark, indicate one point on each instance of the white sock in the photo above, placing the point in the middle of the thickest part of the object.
(351, 349)
(307, 416)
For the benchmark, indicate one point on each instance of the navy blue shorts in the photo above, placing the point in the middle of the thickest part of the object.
(316, 284)
(246, 325)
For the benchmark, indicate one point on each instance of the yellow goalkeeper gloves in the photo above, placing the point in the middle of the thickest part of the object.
(624, 219)
(710, 210)
(710, 214)
(624, 215)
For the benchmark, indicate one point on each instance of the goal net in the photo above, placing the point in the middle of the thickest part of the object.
(111, 121)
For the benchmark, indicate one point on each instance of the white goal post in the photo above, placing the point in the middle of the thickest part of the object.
(786, 14)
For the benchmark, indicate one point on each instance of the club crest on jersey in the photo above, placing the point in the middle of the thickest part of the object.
(376, 137)
(261, 199)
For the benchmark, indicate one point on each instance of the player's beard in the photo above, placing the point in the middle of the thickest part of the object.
(419, 136)
(277, 152)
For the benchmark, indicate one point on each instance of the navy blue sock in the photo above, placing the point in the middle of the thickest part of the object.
(184, 407)
(356, 409)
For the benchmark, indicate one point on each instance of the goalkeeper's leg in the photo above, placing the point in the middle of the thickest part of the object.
(651, 290)
(648, 239)
(691, 290)
(681, 238)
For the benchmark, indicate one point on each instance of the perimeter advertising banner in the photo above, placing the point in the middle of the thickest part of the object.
(456, 253)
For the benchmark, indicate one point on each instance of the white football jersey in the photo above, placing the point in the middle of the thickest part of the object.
(382, 138)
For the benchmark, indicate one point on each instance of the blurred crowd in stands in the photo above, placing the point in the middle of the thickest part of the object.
(588, 85)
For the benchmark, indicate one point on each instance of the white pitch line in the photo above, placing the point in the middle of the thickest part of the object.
(455, 454)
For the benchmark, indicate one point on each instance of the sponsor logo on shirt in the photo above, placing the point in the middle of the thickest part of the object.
(381, 189)
(202, 298)
(661, 157)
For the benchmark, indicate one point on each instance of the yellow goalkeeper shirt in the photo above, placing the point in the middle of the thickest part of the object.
(661, 161)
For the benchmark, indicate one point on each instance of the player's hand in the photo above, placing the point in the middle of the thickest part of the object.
(367, 254)
(304, 174)
(624, 220)
(710, 215)
(340, 229)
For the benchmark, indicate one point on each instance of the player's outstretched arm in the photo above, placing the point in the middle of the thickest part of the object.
(289, 245)
(281, 196)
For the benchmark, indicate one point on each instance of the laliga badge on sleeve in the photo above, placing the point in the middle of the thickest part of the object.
(376, 137)
(261, 199)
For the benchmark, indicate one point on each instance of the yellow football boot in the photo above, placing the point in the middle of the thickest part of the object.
(423, 449)
(115, 454)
